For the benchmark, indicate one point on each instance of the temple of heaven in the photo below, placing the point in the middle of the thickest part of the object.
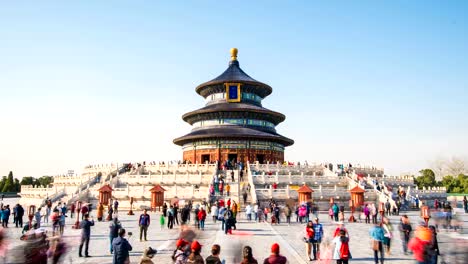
(233, 125)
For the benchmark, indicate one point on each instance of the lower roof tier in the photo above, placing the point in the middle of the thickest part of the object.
(233, 132)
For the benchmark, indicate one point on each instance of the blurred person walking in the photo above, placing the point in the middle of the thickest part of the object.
(377, 235)
(405, 231)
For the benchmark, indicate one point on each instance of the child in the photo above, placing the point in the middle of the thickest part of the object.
(161, 221)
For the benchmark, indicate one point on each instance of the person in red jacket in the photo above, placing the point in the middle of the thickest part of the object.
(309, 239)
(420, 245)
(275, 257)
(202, 217)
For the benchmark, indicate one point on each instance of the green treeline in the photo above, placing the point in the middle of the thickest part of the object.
(11, 184)
(454, 184)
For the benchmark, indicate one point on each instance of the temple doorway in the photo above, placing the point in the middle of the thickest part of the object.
(205, 158)
(232, 158)
(261, 158)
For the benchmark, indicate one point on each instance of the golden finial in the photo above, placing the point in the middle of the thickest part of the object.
(233, 54)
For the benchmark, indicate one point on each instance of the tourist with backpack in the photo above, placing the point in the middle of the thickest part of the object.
(121, 248)
(114, 227)
(336, 210)
(377, 238)
(421, 245)
(228, 221)
(330, 213)
(221, 212)
(341, 253)
(388, 235)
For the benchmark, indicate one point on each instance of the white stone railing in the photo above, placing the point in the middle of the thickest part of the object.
(182, 192)
(367, 170)
(297, 179)
(169, 179)
(398, 180)
(37, 192)
(102, 168)
(285, 167)
(288, 193)
(253, 193)
(433, 192)
(182, 168)
(74, 180)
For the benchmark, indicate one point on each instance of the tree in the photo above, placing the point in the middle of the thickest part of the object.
(17, 186)
(457, 184)
(28, 180)
(2, 182)
(45, 180)
(9, 184)
(426, 179)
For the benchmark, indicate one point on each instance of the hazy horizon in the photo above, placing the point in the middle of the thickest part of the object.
(375, 83)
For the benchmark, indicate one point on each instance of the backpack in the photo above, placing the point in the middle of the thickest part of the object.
(344, 250)
(221, 214)
(335, 209)
(114, 230)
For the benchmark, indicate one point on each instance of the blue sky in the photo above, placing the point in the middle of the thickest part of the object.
(379, 83)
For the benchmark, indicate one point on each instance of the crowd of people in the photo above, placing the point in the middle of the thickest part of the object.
(421, 241)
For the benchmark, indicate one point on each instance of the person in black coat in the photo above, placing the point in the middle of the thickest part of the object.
(85, 227)
(434, 249)
(19, 215)
(121, 249)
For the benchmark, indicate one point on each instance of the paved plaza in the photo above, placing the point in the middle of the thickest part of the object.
(259, 236)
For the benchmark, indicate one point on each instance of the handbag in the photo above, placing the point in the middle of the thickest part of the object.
(375, 245)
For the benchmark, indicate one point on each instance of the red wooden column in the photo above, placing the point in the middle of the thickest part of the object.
(157, 196)
(105, 193)
(304, 194)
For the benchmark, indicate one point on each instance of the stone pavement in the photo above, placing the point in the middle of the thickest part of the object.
(259, 236)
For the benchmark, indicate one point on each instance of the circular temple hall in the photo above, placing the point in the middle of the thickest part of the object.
(233, 125)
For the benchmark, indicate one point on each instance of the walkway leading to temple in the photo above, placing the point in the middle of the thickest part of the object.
(259, 236)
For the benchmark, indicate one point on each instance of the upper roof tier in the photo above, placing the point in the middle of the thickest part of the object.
(233, 74)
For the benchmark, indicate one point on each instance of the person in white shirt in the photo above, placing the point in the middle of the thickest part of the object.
(248, 212)
(255, 210)
(214, 212)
